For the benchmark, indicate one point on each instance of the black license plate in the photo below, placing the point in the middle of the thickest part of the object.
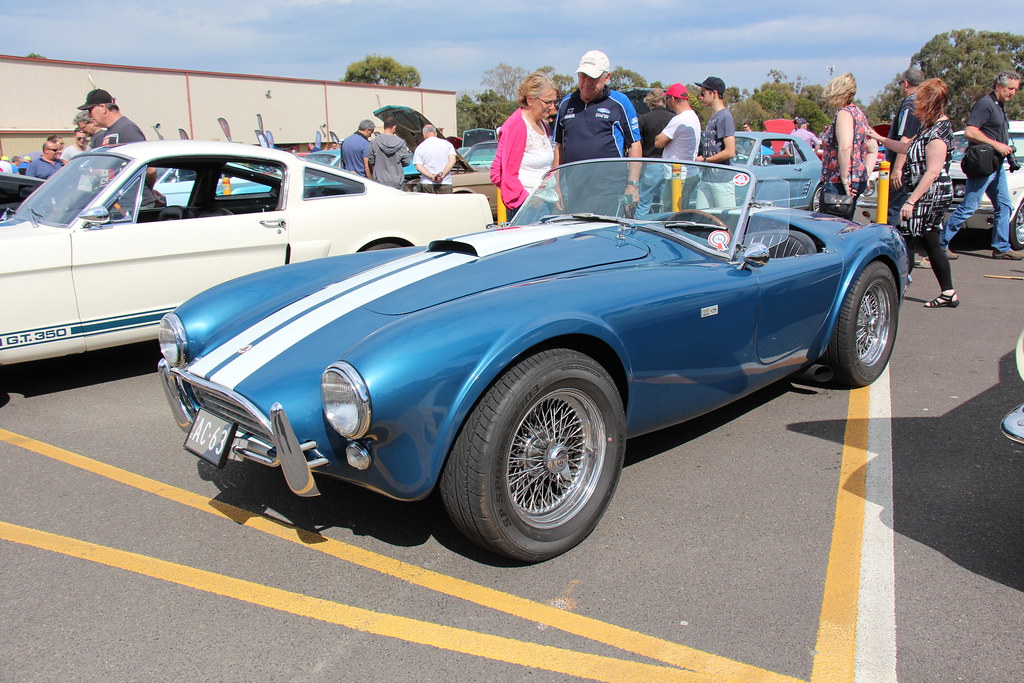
(210, 438)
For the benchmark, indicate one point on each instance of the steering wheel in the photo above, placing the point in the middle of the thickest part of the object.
(682, 216)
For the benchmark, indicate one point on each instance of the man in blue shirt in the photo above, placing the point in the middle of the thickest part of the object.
(595, 122)
(355, 149)
(904, 127)
(46, 165)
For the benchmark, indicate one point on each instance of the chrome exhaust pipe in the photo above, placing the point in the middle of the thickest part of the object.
(822, 374)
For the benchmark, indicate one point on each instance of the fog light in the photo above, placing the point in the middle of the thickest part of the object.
(357, 456)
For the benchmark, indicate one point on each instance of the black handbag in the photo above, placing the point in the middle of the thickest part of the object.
(980, 160)
(837, 204)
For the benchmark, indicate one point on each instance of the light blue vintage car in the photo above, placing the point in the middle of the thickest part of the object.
(777, 156)
(509, 367)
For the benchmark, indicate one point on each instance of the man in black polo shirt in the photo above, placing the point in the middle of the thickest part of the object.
(595, 122)
(904, 127)
(987, 125)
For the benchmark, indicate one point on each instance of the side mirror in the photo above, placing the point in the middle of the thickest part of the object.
(755, 256)
(95, 215)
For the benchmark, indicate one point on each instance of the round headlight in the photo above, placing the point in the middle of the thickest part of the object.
(173, 343)
(346, 400)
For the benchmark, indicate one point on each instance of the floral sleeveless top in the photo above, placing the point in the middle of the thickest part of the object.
(830, 155)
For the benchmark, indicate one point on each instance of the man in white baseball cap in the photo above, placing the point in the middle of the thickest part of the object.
(595, 122)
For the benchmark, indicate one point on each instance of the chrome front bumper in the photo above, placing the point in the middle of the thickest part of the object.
(270, 441)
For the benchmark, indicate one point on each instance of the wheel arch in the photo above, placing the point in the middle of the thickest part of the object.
(849, 280)
(599, 345)
(386, 243)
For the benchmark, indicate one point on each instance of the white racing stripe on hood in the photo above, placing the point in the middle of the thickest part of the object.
(230, 348)
(244, 365)
(503, 239)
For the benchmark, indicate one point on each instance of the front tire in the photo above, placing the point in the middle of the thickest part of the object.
(866, 331)
(1017, 229)
(537, 461)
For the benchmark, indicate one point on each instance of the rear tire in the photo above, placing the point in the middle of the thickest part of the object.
(816, 198)
(537, 460)
(866, 330)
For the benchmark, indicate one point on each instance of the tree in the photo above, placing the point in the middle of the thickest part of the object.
(624, 79)
(487, 110)
(380, 70)
(968, 60)
(504, 80)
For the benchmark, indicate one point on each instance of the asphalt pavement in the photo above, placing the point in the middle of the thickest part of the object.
(123, 558)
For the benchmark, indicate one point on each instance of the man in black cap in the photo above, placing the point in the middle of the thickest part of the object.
(105, 112)
(717, 147)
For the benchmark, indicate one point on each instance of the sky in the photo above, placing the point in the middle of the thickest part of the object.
(452, 44)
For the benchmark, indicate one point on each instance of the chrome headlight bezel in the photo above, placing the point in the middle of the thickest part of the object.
(173, 341)
(346, 400)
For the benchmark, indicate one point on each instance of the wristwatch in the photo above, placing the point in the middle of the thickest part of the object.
(634, 183)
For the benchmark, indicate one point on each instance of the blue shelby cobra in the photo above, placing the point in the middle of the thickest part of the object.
(509, 367)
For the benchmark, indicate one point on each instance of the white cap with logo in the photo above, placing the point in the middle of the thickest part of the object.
(594, 64)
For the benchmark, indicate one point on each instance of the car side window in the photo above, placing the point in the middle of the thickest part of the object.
(316, 184)
(124, 207)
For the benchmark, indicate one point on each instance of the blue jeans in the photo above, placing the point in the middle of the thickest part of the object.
(651, 183)
(999, 194)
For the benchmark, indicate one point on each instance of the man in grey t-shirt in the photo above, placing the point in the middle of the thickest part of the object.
(719, 146)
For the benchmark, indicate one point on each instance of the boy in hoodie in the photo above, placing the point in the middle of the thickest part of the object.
(388, 155)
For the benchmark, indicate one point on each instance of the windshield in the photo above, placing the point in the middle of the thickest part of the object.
(704, 203)
(62, 197)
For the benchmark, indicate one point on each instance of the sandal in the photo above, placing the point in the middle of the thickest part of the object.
(944, 301)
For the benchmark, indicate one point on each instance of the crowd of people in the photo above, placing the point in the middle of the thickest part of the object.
(919, 149)
(595, 121)
(98, 123)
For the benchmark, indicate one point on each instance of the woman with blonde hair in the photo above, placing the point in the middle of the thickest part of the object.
(848, 152)
(524, 151)
(926, 175)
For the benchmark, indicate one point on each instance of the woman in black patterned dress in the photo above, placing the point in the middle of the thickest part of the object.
(927, 173)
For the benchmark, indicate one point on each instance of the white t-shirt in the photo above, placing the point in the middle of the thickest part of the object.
(433, 155)
(537, 159)
(683, 132)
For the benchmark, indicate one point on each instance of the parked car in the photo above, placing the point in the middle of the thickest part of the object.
(481, 154)
(14, 188)
(867, 207)
(100, 257)
(508, 367)
(465, 178)
(783, 157)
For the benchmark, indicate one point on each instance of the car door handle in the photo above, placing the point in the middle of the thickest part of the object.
(276, 223)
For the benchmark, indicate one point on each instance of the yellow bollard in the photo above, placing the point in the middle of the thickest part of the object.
(883, 193)
(501, 209)
(677, 187)
(226, 183)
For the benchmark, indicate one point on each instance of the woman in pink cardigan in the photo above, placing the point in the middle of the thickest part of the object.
(524, 152)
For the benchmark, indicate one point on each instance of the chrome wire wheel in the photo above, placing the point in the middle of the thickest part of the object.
(555, 458)
(873, 324)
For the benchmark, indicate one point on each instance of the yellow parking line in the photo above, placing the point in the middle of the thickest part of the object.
(837, 627)
(460, 640)
(711, 667)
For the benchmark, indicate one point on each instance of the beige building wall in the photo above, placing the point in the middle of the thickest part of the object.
(292, 109)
